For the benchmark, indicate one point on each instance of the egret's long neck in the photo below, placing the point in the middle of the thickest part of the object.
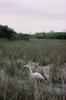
(31, 73)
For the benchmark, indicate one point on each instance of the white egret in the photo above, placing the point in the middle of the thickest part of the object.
(35, 75)
(37, 78)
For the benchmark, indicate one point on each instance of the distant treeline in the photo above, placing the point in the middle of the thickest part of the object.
(9, 33)
(50, 35)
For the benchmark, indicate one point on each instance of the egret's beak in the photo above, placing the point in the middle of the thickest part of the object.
(46, 78)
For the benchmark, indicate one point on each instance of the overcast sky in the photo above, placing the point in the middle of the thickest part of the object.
(33, 15)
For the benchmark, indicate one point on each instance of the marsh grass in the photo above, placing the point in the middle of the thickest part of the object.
(14, 55)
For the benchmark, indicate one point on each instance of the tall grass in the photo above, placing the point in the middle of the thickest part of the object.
(14, 55)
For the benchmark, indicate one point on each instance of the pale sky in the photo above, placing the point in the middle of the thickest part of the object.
(33, 15)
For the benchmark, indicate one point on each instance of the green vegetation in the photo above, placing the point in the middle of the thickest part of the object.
(14, 83)
(9, 33)
(50, 35)
(6, 32)
(42, 48)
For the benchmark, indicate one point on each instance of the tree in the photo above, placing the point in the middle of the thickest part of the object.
(6, 32)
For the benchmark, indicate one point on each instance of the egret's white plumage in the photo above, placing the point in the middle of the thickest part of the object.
(35, 75)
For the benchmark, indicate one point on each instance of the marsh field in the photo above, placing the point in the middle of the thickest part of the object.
(15, 83)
